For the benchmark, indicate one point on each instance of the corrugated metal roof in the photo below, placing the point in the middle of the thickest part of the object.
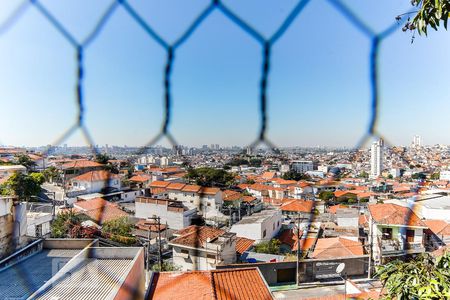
(21, 280)
(90, 278)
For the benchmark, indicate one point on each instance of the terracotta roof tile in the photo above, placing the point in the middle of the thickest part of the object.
(304, 206)
(80, 164)
(388, 213)
(243, 244)
(337, 247)
(196, 236)
(177, 186)
(239, 284)
(96, 176)
(191, 188)
(159, 184)
(438, 227)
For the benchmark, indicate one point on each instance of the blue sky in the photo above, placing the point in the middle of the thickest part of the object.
(319, 79)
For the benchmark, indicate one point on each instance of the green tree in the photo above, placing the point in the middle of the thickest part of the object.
(210, 177)
(364, 174)
(51, 174)
(292, 175)
(24, 160)
(435, 176)
(269, 247)
(326, 196)
(66, 225)
(23, 186)
(120, 226)
(423, 277)
(430, 14)
(102, 158)
(165, 267)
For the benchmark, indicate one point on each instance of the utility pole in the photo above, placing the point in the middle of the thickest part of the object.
(148, 248)
(159, 246)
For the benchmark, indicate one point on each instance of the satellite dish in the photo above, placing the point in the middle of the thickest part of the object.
(340, 268)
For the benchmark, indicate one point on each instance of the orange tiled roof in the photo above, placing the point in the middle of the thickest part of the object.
(337, 247)
(177, 186)
(333, 209)
(238, 284)
(229, 195)
(304, 206)
(243, 244)
(159, 184)
(209, 191)
(140, 178)
(248, 199)
(99, 210)
(268, 175)
(392, 214)
(80, 164)
(289, 237)
(96, 176)
(438, 227)
(196, 236)
(191, 188)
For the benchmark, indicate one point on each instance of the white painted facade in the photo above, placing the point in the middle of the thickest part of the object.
(261, 226)
(175, 217)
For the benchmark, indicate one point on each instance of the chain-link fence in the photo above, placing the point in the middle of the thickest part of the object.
(266, 44)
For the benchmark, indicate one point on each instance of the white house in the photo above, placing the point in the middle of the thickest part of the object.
(174, 213)
(93, 182)
(261, 226)
(7, 171)
(202, 248)
(394, 231)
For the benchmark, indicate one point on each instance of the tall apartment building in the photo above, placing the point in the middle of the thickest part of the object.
(417, 141)
(302, 166)
(376, 158)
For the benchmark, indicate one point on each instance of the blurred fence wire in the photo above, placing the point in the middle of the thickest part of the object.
(266, 44)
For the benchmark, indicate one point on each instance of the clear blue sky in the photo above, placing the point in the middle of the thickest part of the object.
(319, 80)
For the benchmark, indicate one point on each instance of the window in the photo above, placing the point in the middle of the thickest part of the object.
(208, 204)
(386, 233)
(410, 235)
(211, 256)
(184, 251)
(264, 233)
(273, 226)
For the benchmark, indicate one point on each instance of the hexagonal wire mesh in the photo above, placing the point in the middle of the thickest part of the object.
(266, 44)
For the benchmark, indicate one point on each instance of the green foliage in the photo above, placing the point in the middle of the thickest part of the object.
(423, 277)
(51, 174)
(418, 176)
(235, 162)
(326, 195)
(269, 247)
(102, 158)
(25, 161)
(210, 177)
(430, 14)
(120, 226)
(292, 175)
(23, 186)
(364, 174)
(165, 267)
(435, 176)
(64, 224)
(255, 162)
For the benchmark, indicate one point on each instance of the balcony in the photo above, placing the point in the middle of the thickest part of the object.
(398, 247)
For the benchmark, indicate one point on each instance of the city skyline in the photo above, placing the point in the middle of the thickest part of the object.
(319, 101)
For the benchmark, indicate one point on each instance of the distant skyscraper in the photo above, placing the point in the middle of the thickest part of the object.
(417, 141)
(376, 158)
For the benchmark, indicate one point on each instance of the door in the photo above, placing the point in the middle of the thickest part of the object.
(286, 275)
(410, 236)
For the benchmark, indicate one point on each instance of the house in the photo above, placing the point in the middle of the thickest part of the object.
(8, 170)
(99, 210)
(94, 182)
(394, 231)
(238, 284)
(77, 167)
(438, 234)
(174, 213)
(298, 208)
(243, 244)
(203, 247)
(261, 226)
(289, 241)
(337, 247)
